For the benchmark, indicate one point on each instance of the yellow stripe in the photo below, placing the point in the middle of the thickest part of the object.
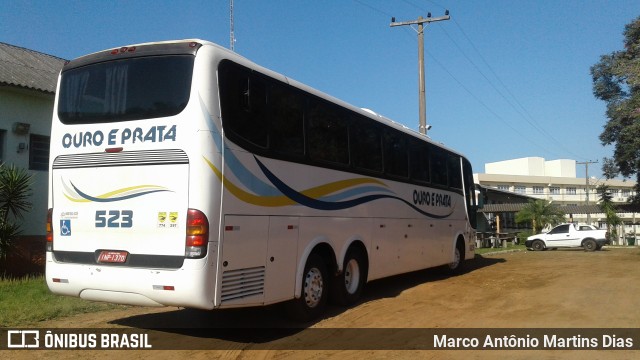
(120, 191)
(281, 200)
(74, 199)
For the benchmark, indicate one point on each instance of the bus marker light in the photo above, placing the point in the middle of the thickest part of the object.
(164, 287)
(50, 230)
(61, 281)
(113, 149)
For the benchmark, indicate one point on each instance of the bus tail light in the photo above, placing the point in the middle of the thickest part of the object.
(197, 234)
(50, 230)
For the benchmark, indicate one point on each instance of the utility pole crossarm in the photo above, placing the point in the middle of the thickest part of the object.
(419, 21)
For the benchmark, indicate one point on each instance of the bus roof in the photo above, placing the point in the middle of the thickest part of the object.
(191, 46)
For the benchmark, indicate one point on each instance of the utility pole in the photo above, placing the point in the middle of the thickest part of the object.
(421, 88)
(232, 38)
(586, 176)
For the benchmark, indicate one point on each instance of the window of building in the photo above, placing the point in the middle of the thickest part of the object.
(626, 193)
(571, 191)
(520, 189)
(554, 190)
(503, 187)
(538, 190)
(38, 152)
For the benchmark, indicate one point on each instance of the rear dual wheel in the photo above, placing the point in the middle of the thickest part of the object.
(348, 285)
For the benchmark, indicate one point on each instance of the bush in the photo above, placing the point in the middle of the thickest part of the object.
(15, 190)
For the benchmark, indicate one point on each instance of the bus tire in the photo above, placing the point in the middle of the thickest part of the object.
(347, 286)
(313, 298)
(458, 258)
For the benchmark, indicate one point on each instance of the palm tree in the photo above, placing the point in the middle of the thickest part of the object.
(540, 213)
(606, 206)
(15, 190)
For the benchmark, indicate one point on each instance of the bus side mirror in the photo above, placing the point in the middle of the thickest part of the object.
(481, 196)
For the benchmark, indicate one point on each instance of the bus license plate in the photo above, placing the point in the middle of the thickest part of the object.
(112, 256)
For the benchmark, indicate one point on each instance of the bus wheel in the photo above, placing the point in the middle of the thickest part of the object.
(348, 285)
(313, 298)
(458, 255)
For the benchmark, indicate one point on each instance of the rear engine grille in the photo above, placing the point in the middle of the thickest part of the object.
(242, 283)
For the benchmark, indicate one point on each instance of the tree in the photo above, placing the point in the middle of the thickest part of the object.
(607, 207)
(540, 213)
(15, 190)
(616, 81)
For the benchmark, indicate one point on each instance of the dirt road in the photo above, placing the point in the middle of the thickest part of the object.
(550, 289)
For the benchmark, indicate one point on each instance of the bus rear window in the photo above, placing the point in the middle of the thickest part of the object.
(128, 89)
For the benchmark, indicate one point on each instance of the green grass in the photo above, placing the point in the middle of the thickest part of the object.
(28, 300)
(509, 248)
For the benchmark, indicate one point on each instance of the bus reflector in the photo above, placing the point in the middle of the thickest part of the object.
(197, 234)
(61, 281)
(164, 287)
(50, 230)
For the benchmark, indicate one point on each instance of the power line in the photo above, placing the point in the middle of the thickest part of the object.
(520, 109)
(526, 115)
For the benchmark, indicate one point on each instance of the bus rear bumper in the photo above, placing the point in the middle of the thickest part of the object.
(129, 286)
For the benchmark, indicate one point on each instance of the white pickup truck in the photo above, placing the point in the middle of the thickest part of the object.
(568, 235)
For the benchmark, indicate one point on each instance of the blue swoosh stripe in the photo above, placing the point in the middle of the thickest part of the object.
(325, 205)
(88, 197)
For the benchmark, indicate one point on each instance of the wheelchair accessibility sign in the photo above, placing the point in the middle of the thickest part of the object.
(65, 227)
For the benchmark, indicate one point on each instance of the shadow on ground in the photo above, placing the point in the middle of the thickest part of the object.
(260, 325)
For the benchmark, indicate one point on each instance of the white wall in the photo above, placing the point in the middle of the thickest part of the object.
(34, 108)
(560, 168)
(531, 166)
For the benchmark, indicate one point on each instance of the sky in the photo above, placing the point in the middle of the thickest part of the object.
(505, 79)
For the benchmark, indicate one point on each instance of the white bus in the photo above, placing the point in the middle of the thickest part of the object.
(183, 174)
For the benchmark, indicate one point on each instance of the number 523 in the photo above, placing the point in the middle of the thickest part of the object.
(114, 218)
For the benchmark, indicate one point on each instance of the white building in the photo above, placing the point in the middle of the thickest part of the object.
(27, 88)
(556, 181)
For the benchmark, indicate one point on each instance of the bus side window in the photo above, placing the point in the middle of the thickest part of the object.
(396, 157)
(454, 172)
(438, 164)
(243, 101)
(419, 162)
(366, 145)
(287, 121)
(327, 133)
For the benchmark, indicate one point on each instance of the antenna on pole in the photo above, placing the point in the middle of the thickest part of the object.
(232, 39)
